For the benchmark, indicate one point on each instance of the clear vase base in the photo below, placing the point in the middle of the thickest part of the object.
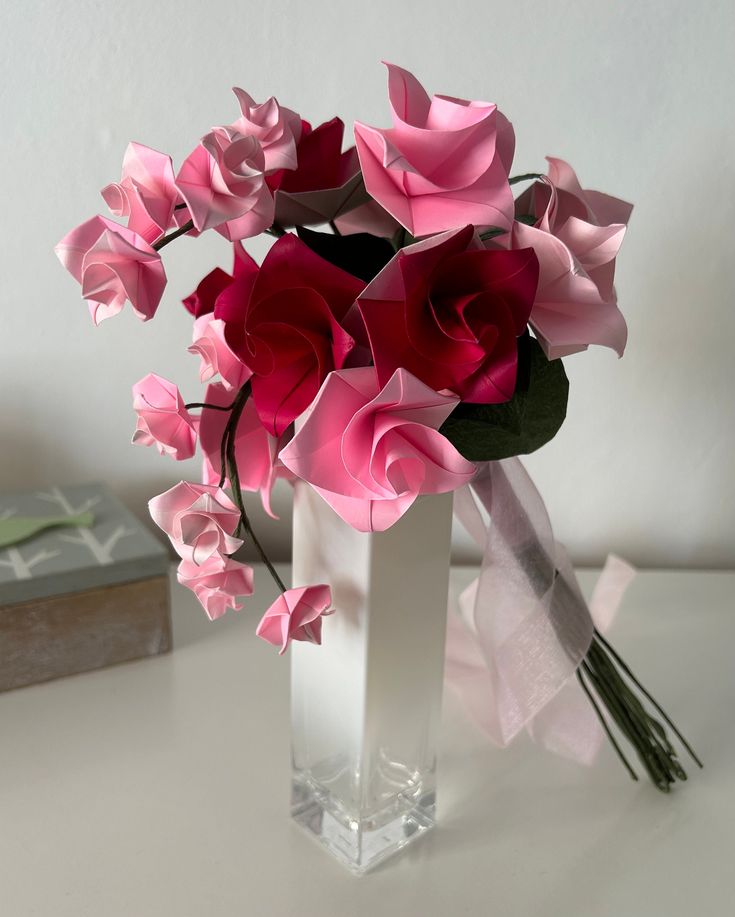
(361, 843)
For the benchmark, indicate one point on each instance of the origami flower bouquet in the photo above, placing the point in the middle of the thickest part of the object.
(409, 346)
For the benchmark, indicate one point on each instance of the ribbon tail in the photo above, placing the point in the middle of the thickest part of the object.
(521, 629)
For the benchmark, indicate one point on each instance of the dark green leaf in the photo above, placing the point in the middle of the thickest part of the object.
(491, 232)
(361, 254)
(489, 432)
(528, 218)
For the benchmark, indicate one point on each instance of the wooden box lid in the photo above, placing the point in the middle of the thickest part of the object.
(116, 549)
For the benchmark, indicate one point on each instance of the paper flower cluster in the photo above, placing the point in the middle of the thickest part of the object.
(373, 355)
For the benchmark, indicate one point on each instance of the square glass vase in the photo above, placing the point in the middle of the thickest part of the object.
(366, 704)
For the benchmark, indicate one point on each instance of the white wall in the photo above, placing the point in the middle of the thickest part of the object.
(635, 94)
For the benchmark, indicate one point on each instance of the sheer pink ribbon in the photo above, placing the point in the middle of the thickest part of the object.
(520, 630)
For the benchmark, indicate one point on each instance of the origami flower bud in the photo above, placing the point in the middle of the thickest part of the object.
(163, 420)
(223, 185)
(216, 356)
(113, 264)
(370, 452)
(296, 615)
(277, 129)
(146, 193)
(199, 519)
(443, 164)
(256, 451)
(217, 583)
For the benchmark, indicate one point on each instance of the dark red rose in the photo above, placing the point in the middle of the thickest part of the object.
(450, 312)
(284, 322)
(325, 183)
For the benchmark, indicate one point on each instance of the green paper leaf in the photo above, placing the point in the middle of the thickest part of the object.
(360, 254)
(20, 528)
(533, 416)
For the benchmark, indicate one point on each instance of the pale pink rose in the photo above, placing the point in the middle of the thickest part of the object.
(217, 583)
(569, 312)
(216, 357)
(163, 420)
(601, 209)
(277, 128)
(223, 185)
(443, 164)
(371, 452)
(146, 193)
(589, 223)
(296, 615)
(199, 519)
(256, 451)
(113, 264)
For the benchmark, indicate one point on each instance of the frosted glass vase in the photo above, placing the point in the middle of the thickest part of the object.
(366, 703)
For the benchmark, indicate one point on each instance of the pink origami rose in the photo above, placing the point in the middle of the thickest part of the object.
(450, 312)
(370, 452)
(256, 451)
(278, 129)
(223, 185)
(113, 264)
(163, 420)
(589, 223)
(296, 615)
(199, 519)
(569, 312)
(216, 356)
(443, 164)
(217, 583)
(146, 193)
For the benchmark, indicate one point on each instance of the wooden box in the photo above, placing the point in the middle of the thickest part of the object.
(75, 599)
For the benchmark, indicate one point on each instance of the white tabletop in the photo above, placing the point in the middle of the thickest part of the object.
(160, 789)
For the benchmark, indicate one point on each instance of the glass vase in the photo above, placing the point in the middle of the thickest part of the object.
(366, 703)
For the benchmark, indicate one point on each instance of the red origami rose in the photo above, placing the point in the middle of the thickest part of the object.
(284, 322)
(449, 312)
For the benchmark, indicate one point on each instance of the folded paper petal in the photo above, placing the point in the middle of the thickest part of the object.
(276, 128)
(284, 322)
(113, 264)
(569, 313)
(146, 193)
(296, 615)
(443, 164)
(199, 519)
(450, 312)
(590, 224)
(256, 451)
(217, 358)
(217, 583)
(370, 452)
(223, 182)
(326, 183)
(163, 420)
